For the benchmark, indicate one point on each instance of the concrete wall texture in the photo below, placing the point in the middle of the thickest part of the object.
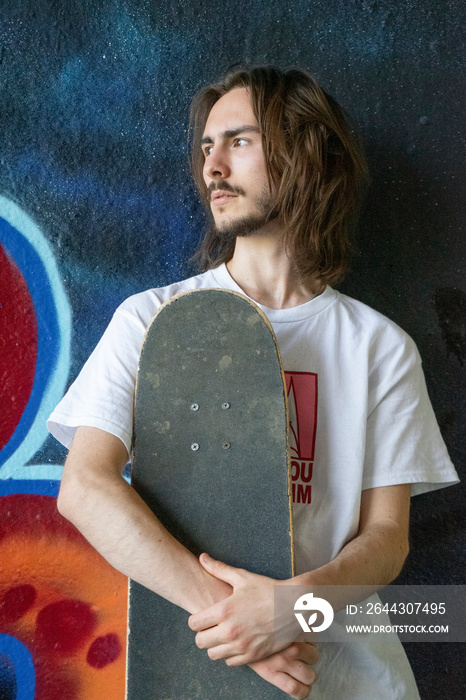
(96, 203)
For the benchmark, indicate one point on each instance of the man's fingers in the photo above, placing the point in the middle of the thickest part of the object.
(208, 638)
(304, 651)
(220, 570)
(287, 671)
(205, 619)
(292, 686)
(217, 650)
(223, 638)
(288, 662)
(282, 679)
(303, 673)
(219, 647)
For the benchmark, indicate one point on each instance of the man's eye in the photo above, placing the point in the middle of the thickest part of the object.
(207, 150)
(241, 142)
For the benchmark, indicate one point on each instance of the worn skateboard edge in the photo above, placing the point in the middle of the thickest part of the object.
(128, 593)
(264, 318)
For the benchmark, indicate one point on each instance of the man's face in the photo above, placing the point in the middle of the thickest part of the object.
(234, 167)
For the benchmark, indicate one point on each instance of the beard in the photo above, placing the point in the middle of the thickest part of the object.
(245, 226)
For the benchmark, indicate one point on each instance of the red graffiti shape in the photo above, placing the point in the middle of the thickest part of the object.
(63, 601)
(16, 602)
(65, 626)
(103, 651)
(18, 346)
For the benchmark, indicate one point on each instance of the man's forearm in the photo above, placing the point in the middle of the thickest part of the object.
(117, 522)
(373, 558)
(376, 555)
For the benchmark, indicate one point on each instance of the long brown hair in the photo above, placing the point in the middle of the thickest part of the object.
(312, 158)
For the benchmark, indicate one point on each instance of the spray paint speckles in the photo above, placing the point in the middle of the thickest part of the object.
(450, 304)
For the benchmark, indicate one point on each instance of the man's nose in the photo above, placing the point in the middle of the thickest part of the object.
(216, 165)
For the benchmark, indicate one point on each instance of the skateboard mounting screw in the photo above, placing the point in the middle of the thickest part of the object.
(194, 446)
(225, 405)
(194, 407)
(226, 445)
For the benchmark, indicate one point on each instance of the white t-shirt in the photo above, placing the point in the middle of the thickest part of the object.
(360, 418)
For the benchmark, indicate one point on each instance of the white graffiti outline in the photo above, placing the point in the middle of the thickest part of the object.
(14, 467)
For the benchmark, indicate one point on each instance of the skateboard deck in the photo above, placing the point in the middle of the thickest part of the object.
(210, 459)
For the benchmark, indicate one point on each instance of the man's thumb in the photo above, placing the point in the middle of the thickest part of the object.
(219, 569)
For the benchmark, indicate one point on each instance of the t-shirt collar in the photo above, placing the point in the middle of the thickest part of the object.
(296, 313)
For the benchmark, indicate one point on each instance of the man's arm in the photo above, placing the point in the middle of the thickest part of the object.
(111, 515)
(377, 553)
(116, 521)
(240, 628)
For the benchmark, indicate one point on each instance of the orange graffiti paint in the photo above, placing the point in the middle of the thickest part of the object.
(63, 601)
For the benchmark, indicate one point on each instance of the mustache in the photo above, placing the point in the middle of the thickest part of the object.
(223, 185)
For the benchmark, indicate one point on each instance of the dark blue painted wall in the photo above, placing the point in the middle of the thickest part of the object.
(94, 99)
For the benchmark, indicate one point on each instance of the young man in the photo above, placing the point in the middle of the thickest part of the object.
(281, 174)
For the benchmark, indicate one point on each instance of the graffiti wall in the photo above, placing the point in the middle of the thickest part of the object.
(96, 203)
(62, 607)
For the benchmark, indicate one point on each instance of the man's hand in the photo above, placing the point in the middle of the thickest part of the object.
(290, 669)
(240, 628)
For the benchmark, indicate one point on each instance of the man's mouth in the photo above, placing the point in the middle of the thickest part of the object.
(222, 192)
(219, 197)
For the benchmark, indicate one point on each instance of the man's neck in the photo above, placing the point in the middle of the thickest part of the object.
(264, 271)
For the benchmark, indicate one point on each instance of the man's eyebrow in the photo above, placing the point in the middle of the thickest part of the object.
(231, 133)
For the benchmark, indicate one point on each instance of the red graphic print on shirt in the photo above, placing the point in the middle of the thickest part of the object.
(302, 407)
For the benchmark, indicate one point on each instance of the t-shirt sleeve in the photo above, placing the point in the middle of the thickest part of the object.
(102, 396)
(403, 440)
